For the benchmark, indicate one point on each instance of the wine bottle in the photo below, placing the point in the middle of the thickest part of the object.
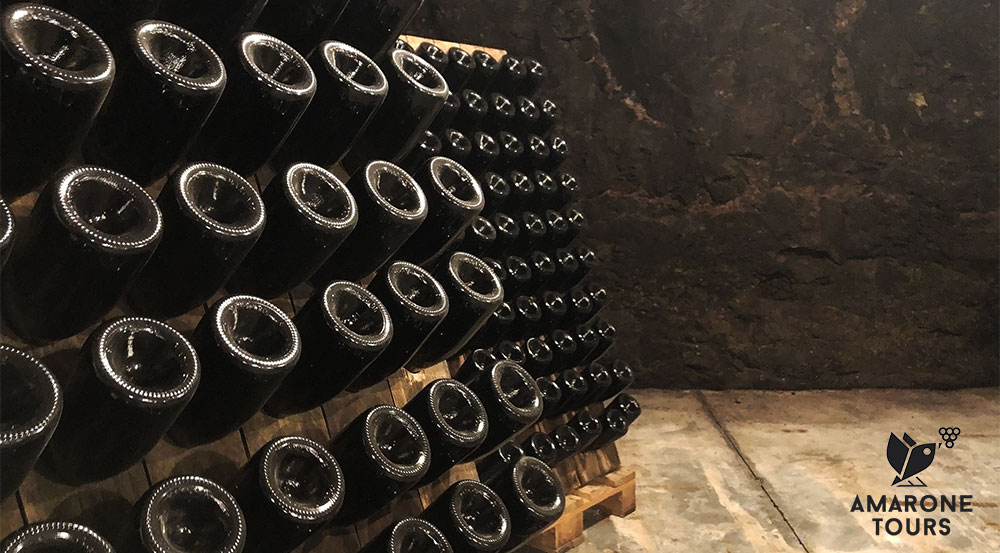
(442, 121)
(471, 516)
(498, 269)
(563, 350)
(246, 347)
(212, 218)
(580, 308)
(460, 68)
(290, 488)
(220, 23)
(454, 420)
(500, 116)
(56, 74)
(574, 389)
(598, 381)
(429, 146)
(471, 112)
(512, 401)
(343, 328)
(32, 404)
(587, 339)
(558, 153)
(485, 151)
(486, 70)
(68, 537)
(614, 425)
(533, 496)
(553, 308)
(374, 25)
(587, 428)
(302, 24)
(542, 269)
(567, 266)
(474, 292)
(89, 233)
(507, 233)
(535, 74)
(350, 89)
(540, 446)
(498, 326)
(417, 303)
(456, 146)
(536, 153)
(548, 114)
(567, 441)
(390, 208)
(479, 237)
(526, 117)
(510, 351)
(133, 378)
(385, 449)
(416, 93)
(628, 406)
(532, 236)
(528, 316)
(551, 396)
(477, 363)
(111, 19)
(587, 259)
(510, 74)
(310, 213)
(546, 190)
(495, 464)
(606, 339)
(402, 44)
(598, 294)
(165, 89)
(6, 232)
(434, 56)
(622, 377)
(522, 188)
(186, 513)
(518, 276)
(538, 356)
(511, 150)
(411, 535)
(576, 223)
(270, 86)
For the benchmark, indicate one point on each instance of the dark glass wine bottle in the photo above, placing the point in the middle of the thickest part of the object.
(486, 70)
(558, 153)
(567, 441)
(387, 450)
(55, 537)
(567, 266)
(474, 292)
(164, 91)
(546, 190)
(510, 75)
(511, 150)
(448, 111)
(410, 535)
(553, 308)
(542, 269)
(186, 513)
(310, 213)
(290, 488)
(472, 516)
(417, 303)
(507, 233)
(598, 381)
(478, 362)
(522, 189)
(374, 25)
(495, 464)
(89, 233)
(576, 222)
(549, 114)
(587, 259)
(527, 115)
(6, 232)
(536, 153)
(434, 56)
(528, 317)
(574, 389)
(211, 217)
(416, 93)
(56, 74)
(563, 349)
(461, 65)
(622, 377)
(111, 19)
(133, 378)
(518, 276)
(402, 44)
(479, 237)
(456, 146)
(454, 199)
(485, 151)
(587, 339)
(454, 420)
(429, 146)
(534, 497)
(535, 74)
(343, 328)
(598, 294)
(496, 328)
(246, 347)
(568, 188)
(538, 356)
(500, 116)
(628, 406)
(32, 403)
(270, 86)
(512, 401)
(390, 208)
(220, 23)
(510, 351)
(606, 339)
(614, 425)
(302, 24)
(540, 446)
(471, 112)
(551, 396)
(580, 308)
(587, 427)
(350, 88)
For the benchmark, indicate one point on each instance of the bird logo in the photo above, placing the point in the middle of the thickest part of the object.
(909, 459)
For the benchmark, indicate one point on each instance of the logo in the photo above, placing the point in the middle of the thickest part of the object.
(909, 459)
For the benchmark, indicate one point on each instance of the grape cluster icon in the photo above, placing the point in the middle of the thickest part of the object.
(949, 435)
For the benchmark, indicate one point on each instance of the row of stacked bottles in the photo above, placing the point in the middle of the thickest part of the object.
(453, 200)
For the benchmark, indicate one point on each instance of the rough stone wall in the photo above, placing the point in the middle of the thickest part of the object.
(786, 195)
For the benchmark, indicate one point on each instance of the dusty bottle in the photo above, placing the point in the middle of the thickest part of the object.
(471, 112)
(391, 206)
(598, 381)
(6, 232)
(553, 308)
(410, 535)
(495, 464)
(474, 292)
(479, 237)
(472, 516)
(456, 146)
(486, 70)
(460, 67)
(310, 213)
(542, 269)
(68, 537)
(551, 396)
(536, 153)
(535, 74)
(538, 356)
(548, 114)
(614, 425)
(512, 401)
(385, 448)
(343, 328)
(186, 513)
(476, 364)
(350, 89)
(220, 23)
(444, 117)
(416, 93)
(429, 146)
(417, 303)
(567, 441)
(270, 86)
(290, 488)
(246, 347)
(133, 378)
(303, 24)
(510, 75)
(574, 388)
(540, 446)
(374, 25)
(90, 232)
(628, 406)
(32, 404)
(587, 427)
(56, 74)
(500, 116)
(533, 496)
(622, 377)
(510, 351)
(526, 117)
(165, 89)
(454, 420)
(434, 56)
(212, 217)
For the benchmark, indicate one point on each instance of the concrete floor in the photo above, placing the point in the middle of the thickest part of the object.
(746, 471)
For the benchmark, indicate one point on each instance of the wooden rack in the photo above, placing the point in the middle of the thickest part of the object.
(104, 505)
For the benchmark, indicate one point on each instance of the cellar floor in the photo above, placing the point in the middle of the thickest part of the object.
(749, 471)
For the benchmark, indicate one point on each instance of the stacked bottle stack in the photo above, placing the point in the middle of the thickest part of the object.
(473, 249)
